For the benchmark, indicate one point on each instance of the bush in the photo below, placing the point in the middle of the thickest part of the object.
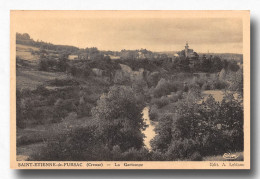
(174, 98)
(163, 101)
(165, 87)
(206, 86)
(86, 144)
(200, 82)
(183, 150)
(136, 155)
(41, 90)
(199, 130)
(46, 64)
(164, 135)
(78, 145)
(80, 70)
(120, 117)
(84, 109)
(219, 85)
(153, 113)
(233, 66)
(153, 78)
(158, 156)
(26, 140)
(236, 81)
(195, 157)
(63, 82)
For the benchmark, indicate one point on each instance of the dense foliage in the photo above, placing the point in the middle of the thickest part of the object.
(96, 104)
(210, 128)
(115, 135)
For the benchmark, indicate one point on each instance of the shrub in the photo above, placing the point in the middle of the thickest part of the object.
(200, 81)
(80, 70)
(136, 155)
(86, 144)
(41, 90)
(25, 92)
(153, 113)
(78, 145)
(233, 66)
(205, 129)
(120, 117)
(219, 85)
(186, 88)
(163, 101)
(174, 98)
(153, 78)
(40, 115)
(165, 87)
(26, 140)
(195, 157)
(164, 135)
(206, 86)
(236, 81)
(63, 82)
(46, 64)
(183, 149)
(84, 109)
(158, 156)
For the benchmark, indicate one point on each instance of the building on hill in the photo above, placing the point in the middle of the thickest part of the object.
(187, 51)
(189, 54)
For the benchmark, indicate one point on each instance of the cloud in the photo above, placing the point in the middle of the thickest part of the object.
(158, 34)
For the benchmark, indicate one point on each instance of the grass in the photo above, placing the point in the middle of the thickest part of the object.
(20, 47)
(29, 76)
(33, 78)
(24, 52)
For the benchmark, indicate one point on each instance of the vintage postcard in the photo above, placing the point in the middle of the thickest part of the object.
(130, 89)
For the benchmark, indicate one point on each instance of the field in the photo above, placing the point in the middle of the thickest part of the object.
(25, 52)
(32, 78)
(27, 73)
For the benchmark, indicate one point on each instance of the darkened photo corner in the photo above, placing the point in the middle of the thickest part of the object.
(107, 88)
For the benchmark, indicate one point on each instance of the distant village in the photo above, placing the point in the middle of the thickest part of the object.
(187, 53)
(92, 53)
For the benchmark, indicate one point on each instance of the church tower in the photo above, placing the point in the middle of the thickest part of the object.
(187, 50)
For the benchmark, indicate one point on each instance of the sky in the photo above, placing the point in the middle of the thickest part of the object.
(156, 32)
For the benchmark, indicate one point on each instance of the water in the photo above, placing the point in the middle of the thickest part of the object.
(149, 131)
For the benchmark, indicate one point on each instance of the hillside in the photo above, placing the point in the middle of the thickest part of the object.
(25, 52)
(133, 108)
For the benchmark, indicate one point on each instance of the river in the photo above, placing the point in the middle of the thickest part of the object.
(149, 131)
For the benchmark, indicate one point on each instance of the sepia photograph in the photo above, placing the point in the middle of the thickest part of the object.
(130, 89)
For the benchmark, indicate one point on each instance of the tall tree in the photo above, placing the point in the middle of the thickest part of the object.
(120, 118)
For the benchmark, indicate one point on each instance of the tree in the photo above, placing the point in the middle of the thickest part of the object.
(217, 64)
(120, 118)
(233, 66)
(162, 141)
(79, 144)
(62, 64)
(153, 78)
(184, 64)
(23, 36)
(210, 128)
